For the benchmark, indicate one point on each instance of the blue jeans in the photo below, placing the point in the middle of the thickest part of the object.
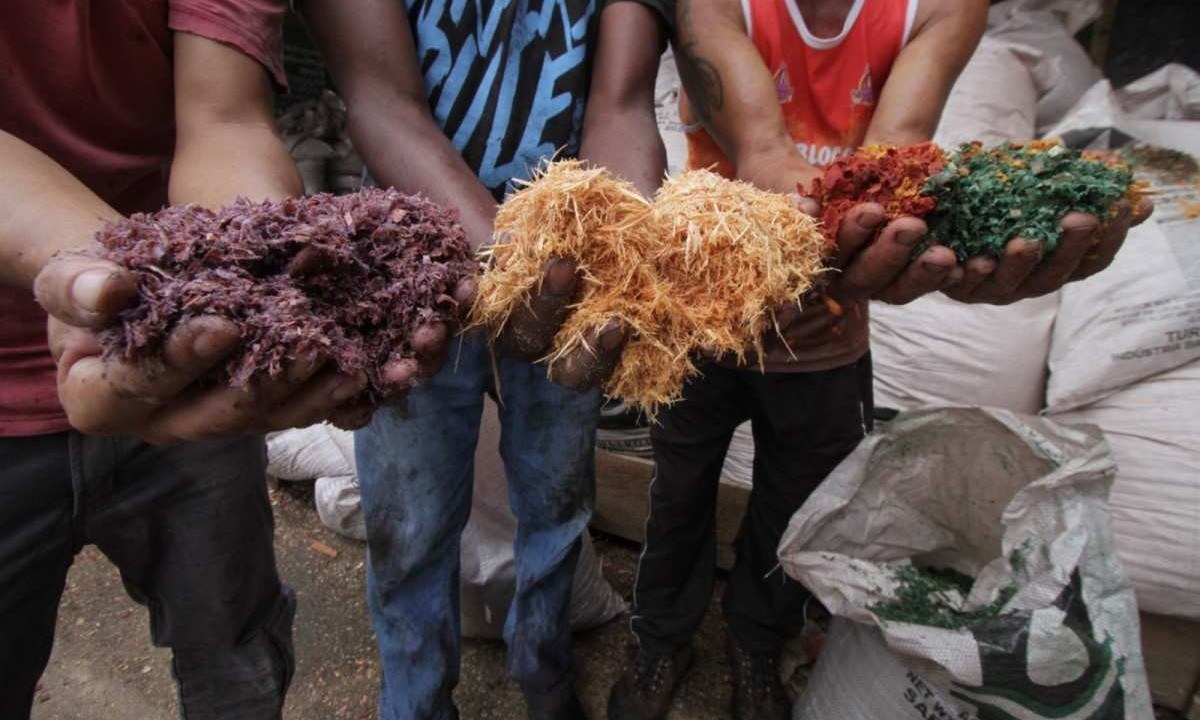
(416, 467)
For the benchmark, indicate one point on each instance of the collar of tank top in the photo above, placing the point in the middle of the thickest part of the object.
(825, 21)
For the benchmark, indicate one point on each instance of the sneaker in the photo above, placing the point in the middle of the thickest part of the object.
(758, 692)
(645, 688)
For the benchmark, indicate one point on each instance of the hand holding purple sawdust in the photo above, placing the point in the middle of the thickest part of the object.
(191, 324)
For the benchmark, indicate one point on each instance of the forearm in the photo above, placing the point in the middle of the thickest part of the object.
(370, 50)
(620, 130)
(225, 141)
(228, 161)
(911, 104)
(43, 209)
(404, 148)
(731, 91)
(626, 142)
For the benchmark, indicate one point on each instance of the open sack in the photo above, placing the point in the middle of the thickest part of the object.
(1048, 628)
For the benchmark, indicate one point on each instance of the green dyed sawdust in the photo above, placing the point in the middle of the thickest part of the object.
(988, 197)
(924, 598)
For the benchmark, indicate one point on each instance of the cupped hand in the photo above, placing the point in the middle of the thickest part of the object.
(1085, 248)
(167, 401)
(529, 333)
(873, 261)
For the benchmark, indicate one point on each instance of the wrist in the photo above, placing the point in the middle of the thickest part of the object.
(780, 170)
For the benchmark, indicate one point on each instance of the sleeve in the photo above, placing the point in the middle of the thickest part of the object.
(255, 27)
(664, 9)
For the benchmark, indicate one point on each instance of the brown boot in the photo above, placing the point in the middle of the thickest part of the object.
(758, 692)
(646, 686)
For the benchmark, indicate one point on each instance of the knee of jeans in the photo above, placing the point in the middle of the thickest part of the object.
(246, 681)
(402, 540)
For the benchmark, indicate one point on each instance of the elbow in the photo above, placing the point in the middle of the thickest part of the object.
(376, 114)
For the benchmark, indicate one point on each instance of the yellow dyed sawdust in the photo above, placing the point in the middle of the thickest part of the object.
(733, 252)
(699, 269)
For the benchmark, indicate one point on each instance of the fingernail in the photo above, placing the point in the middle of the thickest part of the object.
(88, 287)
(349, 388)
(401, 373)
(909, 237)
(871, 219)
(612, 336)
(935, 268)
(303, 367)
(207, 346)
(560, 276)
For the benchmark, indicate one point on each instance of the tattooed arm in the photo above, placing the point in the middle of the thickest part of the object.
(733, 93)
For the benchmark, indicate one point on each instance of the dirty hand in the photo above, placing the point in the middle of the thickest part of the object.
(164, 404)
(874, 261)
(1085, 248)
(430, 342)
(529, 333)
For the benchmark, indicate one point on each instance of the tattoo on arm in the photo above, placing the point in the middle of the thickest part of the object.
(700, 77)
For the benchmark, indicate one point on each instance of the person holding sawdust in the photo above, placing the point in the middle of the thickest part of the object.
(456, 101)
(773, 90)
(113, 108)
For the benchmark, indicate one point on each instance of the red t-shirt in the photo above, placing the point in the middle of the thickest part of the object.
(90, 84)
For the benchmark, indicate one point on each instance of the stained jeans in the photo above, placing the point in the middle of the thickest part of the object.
(416, 468)
(189, 527)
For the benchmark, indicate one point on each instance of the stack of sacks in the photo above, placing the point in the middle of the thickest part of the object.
(666, 110)
(1125, 352)
(1061, 69)
(937, 351)
(1125, 356)
(326, 454)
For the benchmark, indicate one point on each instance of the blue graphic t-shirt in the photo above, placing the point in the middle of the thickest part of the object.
(506, 79)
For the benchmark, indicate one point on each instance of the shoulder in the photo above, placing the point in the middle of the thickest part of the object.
(967, 15)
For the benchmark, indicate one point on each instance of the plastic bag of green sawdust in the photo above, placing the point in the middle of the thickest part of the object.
(969, 556)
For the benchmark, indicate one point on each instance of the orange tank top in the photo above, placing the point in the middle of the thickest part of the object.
(827, 87)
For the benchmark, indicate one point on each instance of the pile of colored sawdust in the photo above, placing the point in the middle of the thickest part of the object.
(894, 177)
(697, 269)
(936, 598)
(976, 200)
(377, 264)
(986, 197)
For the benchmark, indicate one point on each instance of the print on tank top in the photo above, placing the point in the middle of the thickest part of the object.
(828, 91)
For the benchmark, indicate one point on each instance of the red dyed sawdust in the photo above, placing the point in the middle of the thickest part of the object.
(888, 175)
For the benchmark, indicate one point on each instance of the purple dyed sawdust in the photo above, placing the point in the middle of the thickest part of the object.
(376, 265)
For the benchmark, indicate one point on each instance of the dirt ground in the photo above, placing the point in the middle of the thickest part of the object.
(104, 667)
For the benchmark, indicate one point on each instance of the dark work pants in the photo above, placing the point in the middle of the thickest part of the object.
(190, 528)
(804, 425)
